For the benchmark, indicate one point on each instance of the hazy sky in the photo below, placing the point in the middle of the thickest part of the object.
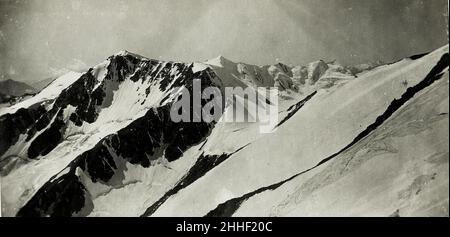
(41, 38)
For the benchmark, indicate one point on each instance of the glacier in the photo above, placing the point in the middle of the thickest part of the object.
(368, 140)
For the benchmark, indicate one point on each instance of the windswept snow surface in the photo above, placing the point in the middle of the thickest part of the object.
(327, 123)
(400, 170)
(118, 153)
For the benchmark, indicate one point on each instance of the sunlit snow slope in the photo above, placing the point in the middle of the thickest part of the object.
(370, 142)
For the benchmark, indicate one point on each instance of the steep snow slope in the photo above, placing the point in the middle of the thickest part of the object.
(401, 169)
(104, 100)
(104, 145)
(327, 122)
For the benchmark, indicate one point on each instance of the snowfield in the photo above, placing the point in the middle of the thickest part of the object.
(101, 143)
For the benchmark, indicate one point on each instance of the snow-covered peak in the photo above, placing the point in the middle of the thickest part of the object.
(220, 61)
(126, 53)
(122, 52)
(104, 141)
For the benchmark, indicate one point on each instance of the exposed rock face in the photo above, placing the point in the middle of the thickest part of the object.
(142, 141)
(315, 70)
(102, 143)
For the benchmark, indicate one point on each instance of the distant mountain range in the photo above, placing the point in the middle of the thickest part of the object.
(368, 140)
(15, 88)
(13, 91)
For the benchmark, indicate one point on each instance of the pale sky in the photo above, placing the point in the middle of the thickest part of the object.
(41, 38)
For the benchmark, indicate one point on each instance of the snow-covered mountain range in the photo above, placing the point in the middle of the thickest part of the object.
(368, 140)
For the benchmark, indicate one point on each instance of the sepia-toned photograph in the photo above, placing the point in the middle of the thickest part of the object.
(224, 108)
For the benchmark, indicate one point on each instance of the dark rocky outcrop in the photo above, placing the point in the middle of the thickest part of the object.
(147, 138)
